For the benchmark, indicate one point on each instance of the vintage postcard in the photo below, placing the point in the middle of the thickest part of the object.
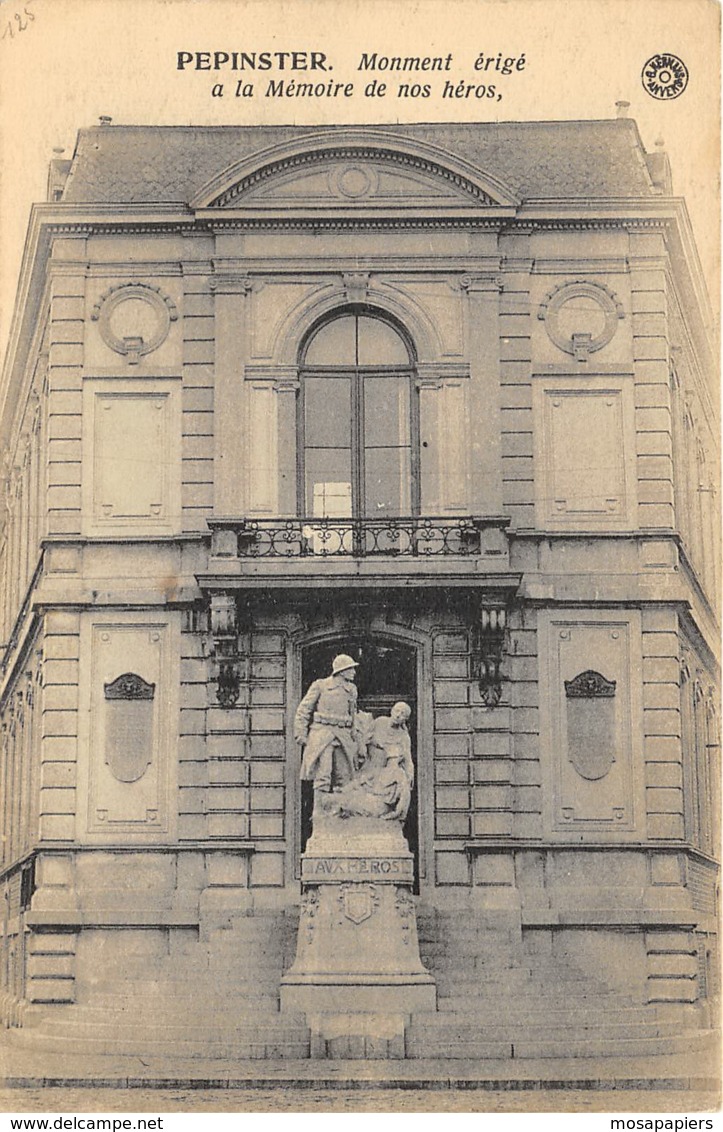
(359, 556)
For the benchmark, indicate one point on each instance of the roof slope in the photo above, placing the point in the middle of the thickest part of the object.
(537, 160)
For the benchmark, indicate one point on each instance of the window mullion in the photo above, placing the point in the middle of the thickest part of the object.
(414, 443)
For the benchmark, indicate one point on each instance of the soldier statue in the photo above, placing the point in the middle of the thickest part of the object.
(324, 727)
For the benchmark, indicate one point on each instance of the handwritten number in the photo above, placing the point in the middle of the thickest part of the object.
(9, 29)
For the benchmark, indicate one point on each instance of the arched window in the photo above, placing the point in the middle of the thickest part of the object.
(358, 420)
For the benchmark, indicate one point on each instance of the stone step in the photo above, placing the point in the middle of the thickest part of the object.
(501, 966)
(268, 942)
(467, 1052)
(182, 966)
(492, 960)
(513, 1014)
(462, 1031)
(469, 947)
(480, 982)
(516, 974)
(462, 937)
(471, 969)
(241, 1006)
(256, 952)
(120, 1006)
(290, 1047)
(498, 965)
(571, 1045)
(254, 927)
(240, 953)
(118, 1002)
(243, 974)
(232, 1006)
(499, 999)
(509, 957)
(480, 1049)
(253, 985)
(636, 1047)
(464, 929)
(207, 1035)
(201, 1030)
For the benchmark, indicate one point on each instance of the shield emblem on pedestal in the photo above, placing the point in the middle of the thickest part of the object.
(358, 902)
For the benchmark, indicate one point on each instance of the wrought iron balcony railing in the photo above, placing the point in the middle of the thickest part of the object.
(419, 537)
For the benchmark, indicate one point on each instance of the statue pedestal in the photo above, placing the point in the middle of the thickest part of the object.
(357, 971)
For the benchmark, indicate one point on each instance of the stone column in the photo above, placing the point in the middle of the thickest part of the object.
(231, 287)
(483, 293)
(287, 388)
(648, 266)
(270, 459)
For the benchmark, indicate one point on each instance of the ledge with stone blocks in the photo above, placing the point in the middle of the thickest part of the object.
(113, 918)
(607, 918)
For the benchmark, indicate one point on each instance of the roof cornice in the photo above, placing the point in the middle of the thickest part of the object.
(28, 298)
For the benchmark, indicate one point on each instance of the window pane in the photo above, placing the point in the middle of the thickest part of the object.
(386, 411)
(380, 345)
(334, 344)
(328, 482)
(327, 412)
(388, 480)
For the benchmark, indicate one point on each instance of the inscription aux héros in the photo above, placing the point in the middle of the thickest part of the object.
(328, 868)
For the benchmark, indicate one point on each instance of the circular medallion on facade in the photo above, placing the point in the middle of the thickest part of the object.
(134, 318)
(580, 317)
(355, 182)
(665, 76)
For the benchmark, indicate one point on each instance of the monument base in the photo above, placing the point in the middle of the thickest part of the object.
(368, 1036)
(400, 996)
(357, 974)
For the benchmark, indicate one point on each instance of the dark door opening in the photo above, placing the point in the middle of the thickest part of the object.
(387, 673)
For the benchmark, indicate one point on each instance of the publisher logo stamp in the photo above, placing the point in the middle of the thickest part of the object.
(665, 76)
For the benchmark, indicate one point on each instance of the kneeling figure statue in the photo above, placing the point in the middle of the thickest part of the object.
(382, 787)
(360, 766)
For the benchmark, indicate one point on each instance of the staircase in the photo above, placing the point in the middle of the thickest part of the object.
(219, 999)
(495, 1001)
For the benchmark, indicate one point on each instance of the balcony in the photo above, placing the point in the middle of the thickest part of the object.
(437, 550)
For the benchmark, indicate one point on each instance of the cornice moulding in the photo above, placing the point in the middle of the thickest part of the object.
(137, 269)
(595, 265)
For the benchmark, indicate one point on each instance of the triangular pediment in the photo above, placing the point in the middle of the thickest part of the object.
(357, 177)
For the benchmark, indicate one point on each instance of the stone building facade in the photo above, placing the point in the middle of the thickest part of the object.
(442, 397)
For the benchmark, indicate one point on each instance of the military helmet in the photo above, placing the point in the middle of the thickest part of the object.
(341, 663)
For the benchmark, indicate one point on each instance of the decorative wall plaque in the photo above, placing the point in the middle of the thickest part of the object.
(589, 685)
(591, 724)
(134, 318)
(129, 686)
(355, 181)
(128, 726)
(580, 317)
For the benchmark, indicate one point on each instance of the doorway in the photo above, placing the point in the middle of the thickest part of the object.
(387, 673)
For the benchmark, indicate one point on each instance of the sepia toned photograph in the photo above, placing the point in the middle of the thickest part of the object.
(359, 556)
